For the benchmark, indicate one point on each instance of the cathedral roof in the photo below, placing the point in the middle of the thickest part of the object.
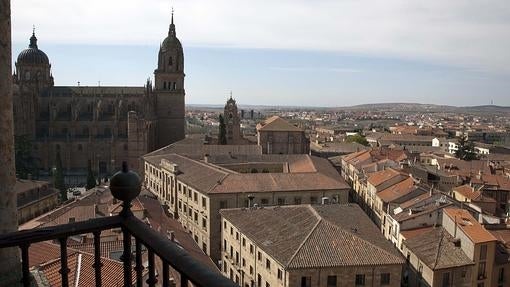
(32, 55)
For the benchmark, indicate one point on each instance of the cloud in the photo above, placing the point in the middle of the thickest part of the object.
(474, 34)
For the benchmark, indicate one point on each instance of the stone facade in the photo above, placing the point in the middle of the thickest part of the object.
(277, 136)
(106, 125)
(232, 122)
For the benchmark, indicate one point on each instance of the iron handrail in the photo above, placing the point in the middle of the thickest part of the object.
(170, 253)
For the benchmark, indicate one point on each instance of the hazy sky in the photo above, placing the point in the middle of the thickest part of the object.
(321, 53)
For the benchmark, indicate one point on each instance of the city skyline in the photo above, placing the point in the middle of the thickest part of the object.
(305, 67)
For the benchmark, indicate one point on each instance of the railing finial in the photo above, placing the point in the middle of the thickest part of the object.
(125, 185)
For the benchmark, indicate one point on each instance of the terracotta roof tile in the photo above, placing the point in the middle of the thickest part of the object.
(437, 250)
(465, 221)
(397, 190)
(275, 123)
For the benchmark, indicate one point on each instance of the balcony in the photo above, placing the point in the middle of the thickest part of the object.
(125, 186)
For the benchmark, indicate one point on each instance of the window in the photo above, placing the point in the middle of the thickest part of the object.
(264, 201)
(251, 270)
(385, 279)
(196, 216)
(280, 274)
(244, 262)
(237, 235)
(237, 257)
(224, 224)
(195, 197)
(244, 242)
(297, 200)
(225, 245)
(204, 202)
(268, 264)
(259, 256)
(306, 281)
(170, 62)
(313, 199)
(231, 231)
(483, 252)
(223, 204)
(267, 284)
(481, 270)
(251, 249)
(331, 281)
(360, 280)
(281, 201)
(204, 223)
(446, 280)
(164, 85)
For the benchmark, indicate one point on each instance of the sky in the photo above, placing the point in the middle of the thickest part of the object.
(284, 52)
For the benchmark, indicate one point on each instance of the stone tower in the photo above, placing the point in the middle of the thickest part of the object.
(169, 90)
(232, 122)
(32, 76)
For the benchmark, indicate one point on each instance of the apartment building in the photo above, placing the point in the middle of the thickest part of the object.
(459, 253)
(34, 197)
(195, 190)
(307, 246)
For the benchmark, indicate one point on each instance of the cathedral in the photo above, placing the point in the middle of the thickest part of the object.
(101, 125)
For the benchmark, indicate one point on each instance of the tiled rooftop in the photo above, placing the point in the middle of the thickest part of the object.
(305, 236)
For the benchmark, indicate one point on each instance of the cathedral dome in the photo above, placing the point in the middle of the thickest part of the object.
(33, 55)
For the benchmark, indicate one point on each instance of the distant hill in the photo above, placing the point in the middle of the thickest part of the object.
(391, 107)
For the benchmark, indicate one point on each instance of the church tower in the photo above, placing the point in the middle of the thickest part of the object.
(169, 90)
(232, 122)
(31, 78)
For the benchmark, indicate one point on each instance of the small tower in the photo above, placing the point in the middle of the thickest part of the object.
(232, 121)
(169, 90)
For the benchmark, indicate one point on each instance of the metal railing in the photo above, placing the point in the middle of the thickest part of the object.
(190, 270)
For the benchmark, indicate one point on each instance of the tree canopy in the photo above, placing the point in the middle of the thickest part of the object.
(357, 138)
(223, 131)
(466, 148)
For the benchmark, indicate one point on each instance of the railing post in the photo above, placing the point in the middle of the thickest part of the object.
(126, 258)
(25, 265)
(97, 257)
(63, 262)
(139, 265)
(166, 273)
(152, 278)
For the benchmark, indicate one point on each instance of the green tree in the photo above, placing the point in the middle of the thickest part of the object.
(91, 179)
(357, 138)
(223, 131)
(466, 148)
(25, 163)
(58, 177)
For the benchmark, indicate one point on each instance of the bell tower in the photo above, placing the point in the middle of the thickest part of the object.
(232, 122)
(169, 90)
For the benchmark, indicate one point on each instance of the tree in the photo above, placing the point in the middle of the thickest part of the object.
(25, 163)
(91, 179)
(358, 139)
(466, 148)
(58, 177)
(223, 131)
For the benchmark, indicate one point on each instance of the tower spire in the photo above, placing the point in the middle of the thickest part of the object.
(33, 39)
(171, 32)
